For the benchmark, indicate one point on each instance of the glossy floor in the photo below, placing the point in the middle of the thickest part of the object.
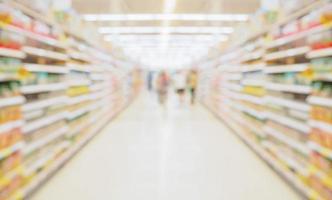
(174, 153)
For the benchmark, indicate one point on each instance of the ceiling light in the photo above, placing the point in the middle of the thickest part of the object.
(158, 30)
(135, 37)
(166, 16)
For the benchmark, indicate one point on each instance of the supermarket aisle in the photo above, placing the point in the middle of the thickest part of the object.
(150, 155)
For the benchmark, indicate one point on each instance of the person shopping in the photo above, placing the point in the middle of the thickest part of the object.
(192, 81)
(180, 86)
(162, 87)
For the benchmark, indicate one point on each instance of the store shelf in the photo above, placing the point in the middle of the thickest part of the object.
(289, 122)
(79, 112)
(246, 97)
(234, 77)
(34, 36)
(297, 36)
(322, 150)
(233, 87)
(252, 82)
(321, 101)
(79, 99)
(292, 104)
(321, 125)
(287, 140)
(80, 68)
(286, 68)
(287, 53)
(10, 150)
(48, 172)
(253, 68)
(320, 53)
(31, 89)
(254, 113)
(80, 56)
(53, 69)
(300, 89)
(46, 158)
(302, 189)
(33, 51)
(9, 176)
(44, 121)
(5, 127)
(75, 83)
(45, 140)
(11, 101)
(253, 128)
(44, 103)
(5, 52)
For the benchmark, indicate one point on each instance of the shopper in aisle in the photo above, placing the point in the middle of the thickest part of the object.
(180, 84)
(192, 81)
(162, 87)
(150, 81)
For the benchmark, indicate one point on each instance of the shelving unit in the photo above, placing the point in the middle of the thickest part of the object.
(57, 92)
(278, 101)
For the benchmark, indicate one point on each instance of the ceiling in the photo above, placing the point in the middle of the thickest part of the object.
(146, 50)
(156, 6)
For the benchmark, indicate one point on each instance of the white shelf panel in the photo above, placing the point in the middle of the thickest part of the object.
(287, 53)
(45, 140)
(80, 56)
(82, 82)
(6, 52)
(321, 101)
(287, 103)
(255, 113)
(9, 150)
(44, 103)
(297, 36)
(286, 68)
(44, 121)
(253, 82)
(10, 101)
(73, 114)
(46, 68)
(255, 129)
(79, 68)
(87, 97)
(289, 122)
(252, 56)
(321, 125)
(320, 149)
(320, 53)
(234, 77)
(42, 161)
(287, 140)
(44, 53)
(246, 97)
(300, 89)
(233, 87)
(253, 68)
(10, 126)
(35, 36)
(31, 89)
(41, 177)
(270, 160)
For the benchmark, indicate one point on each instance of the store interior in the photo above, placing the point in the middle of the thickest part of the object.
(165, 99)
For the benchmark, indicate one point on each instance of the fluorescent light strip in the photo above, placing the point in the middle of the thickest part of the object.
(166, 16)
(135, 38)
(157, 30)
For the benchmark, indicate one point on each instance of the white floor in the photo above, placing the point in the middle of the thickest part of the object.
(152, 154)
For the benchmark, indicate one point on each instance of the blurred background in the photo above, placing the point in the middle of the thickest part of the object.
(165, 99)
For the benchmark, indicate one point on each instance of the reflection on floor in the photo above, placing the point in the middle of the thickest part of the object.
(151, 153)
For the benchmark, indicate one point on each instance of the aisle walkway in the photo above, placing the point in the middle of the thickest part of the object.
(149, 154)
